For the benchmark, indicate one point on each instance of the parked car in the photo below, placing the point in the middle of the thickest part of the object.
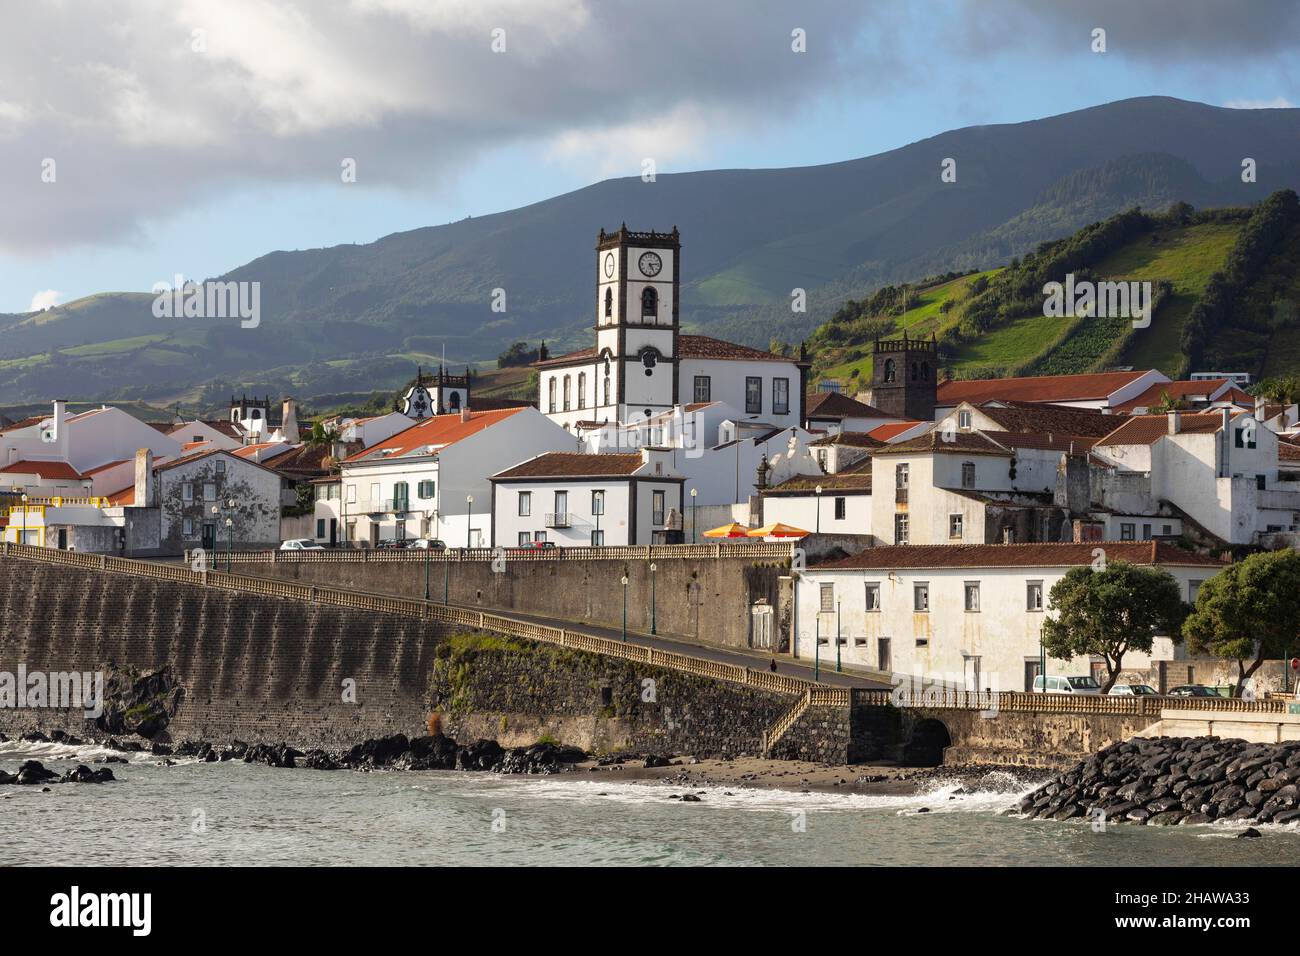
(301, 544)
(1193, 690)
(1133, 690)
(535, 546)
(427, 544)
(1067, 685)
(390, 544)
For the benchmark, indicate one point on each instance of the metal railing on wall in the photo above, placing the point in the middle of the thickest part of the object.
(645, 552)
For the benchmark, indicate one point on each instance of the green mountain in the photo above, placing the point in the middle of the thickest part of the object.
(358, 318)
(1226, 286)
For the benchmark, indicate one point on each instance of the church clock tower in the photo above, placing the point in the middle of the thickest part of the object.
(638, 275)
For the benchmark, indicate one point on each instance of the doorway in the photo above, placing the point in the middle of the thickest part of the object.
(209, 539)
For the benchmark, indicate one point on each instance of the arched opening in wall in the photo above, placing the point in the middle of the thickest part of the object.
(927, 743)
(649, 304)
(454, 401)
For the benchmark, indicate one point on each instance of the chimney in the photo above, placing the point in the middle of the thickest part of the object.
(464, 414)
(289, 421)
(1175, 422)
(1260, 413)
(59, 436)
(143, 478)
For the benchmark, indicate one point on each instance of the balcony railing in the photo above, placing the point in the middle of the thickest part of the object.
(559, 519)
(387, 506)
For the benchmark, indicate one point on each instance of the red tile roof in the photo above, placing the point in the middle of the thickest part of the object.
(567, 464)
(885, 432)
(839, 406)
(1050, 419)
(852, 439)
(965, 443)
(1041, 388)
(104, 467)
(1188, 390)
(43, 469)
(1148, 429)
(1041, 555)
(438, 431)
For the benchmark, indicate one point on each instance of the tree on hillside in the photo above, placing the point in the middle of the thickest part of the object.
(1169, 404)
(1248, 612)
(1111, 611)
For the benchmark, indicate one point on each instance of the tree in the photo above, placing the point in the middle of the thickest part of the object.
(320, 435)
(1168, 404)
(1111, 611)
(1249, 611)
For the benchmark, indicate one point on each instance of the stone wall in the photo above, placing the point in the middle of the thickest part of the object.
(254, 668)
(706, 599)
(520, 692)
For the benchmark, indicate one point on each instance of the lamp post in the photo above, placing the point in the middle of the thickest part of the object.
(24, 541)
(837, 635)
(469, 518)
(652, 598)
(625, 609)
(694, 493)
(817, 647)
(819, 509)
(446, 574)
(427, 549)
(598, 504)
(230, 541)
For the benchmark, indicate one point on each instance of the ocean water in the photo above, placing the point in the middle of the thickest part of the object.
(236, 813)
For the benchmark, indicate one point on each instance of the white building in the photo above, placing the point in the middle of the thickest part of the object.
(641, 365)
(969, 615)
(573, 499)
(431, 480)
(1220, 469)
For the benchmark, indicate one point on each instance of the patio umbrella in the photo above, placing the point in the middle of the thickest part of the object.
(777, 530)
(732, 530)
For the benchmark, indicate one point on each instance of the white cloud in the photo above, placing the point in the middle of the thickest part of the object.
(44, 300)
(1276, 103)
(142, 124)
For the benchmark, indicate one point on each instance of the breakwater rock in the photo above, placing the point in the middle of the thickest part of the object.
(1171, 780)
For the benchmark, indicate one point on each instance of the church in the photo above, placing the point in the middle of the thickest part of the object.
(641, 364)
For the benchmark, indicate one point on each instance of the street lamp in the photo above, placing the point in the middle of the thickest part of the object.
(24, 541)
(652, 598)
(625, 609)
(469, 518)
(817, 647)
(819, 509)
(837, 635)
(230, 531)
(694, 493)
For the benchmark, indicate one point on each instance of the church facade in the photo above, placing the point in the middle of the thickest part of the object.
(641, 365)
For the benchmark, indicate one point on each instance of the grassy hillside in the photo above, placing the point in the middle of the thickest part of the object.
(992, 322)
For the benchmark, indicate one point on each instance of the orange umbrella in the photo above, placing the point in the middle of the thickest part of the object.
(732, 530)
(777, 530)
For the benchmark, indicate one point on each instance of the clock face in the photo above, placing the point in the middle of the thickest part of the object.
(650, 264)
(609, 265)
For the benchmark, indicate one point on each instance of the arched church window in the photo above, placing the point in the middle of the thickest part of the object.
(454, 401)
(649, 303)
(914, 372)
(925, 371)
(566, 393)
(582, 389)
(609, 302)
(606, 384)
(550, 395)
(891, 370)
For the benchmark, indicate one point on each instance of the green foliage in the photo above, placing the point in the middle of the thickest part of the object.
(1250, 611)
(518, 354)
(1110, 612)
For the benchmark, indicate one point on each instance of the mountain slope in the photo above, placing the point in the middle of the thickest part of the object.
(354, 316)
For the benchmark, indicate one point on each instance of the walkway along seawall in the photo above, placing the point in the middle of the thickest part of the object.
(702, 593)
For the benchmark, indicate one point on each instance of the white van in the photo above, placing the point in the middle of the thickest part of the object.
(1067, 685)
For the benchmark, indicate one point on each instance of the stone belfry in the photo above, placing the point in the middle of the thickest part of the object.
(904, 377)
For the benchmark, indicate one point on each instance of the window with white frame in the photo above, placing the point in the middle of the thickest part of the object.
(827, 598)
(921, 596)
(955, 527)
(209, 491)
(968, 474)
(873, 596)
(525, 504)
(1034, 595)
(187, 491)
(972, 590)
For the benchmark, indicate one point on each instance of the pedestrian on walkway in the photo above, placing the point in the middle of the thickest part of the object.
(773, 667)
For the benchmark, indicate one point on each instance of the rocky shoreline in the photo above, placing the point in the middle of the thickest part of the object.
(438, 752)
(1165, 781)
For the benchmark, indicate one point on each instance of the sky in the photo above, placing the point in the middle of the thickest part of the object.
(144, 139)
